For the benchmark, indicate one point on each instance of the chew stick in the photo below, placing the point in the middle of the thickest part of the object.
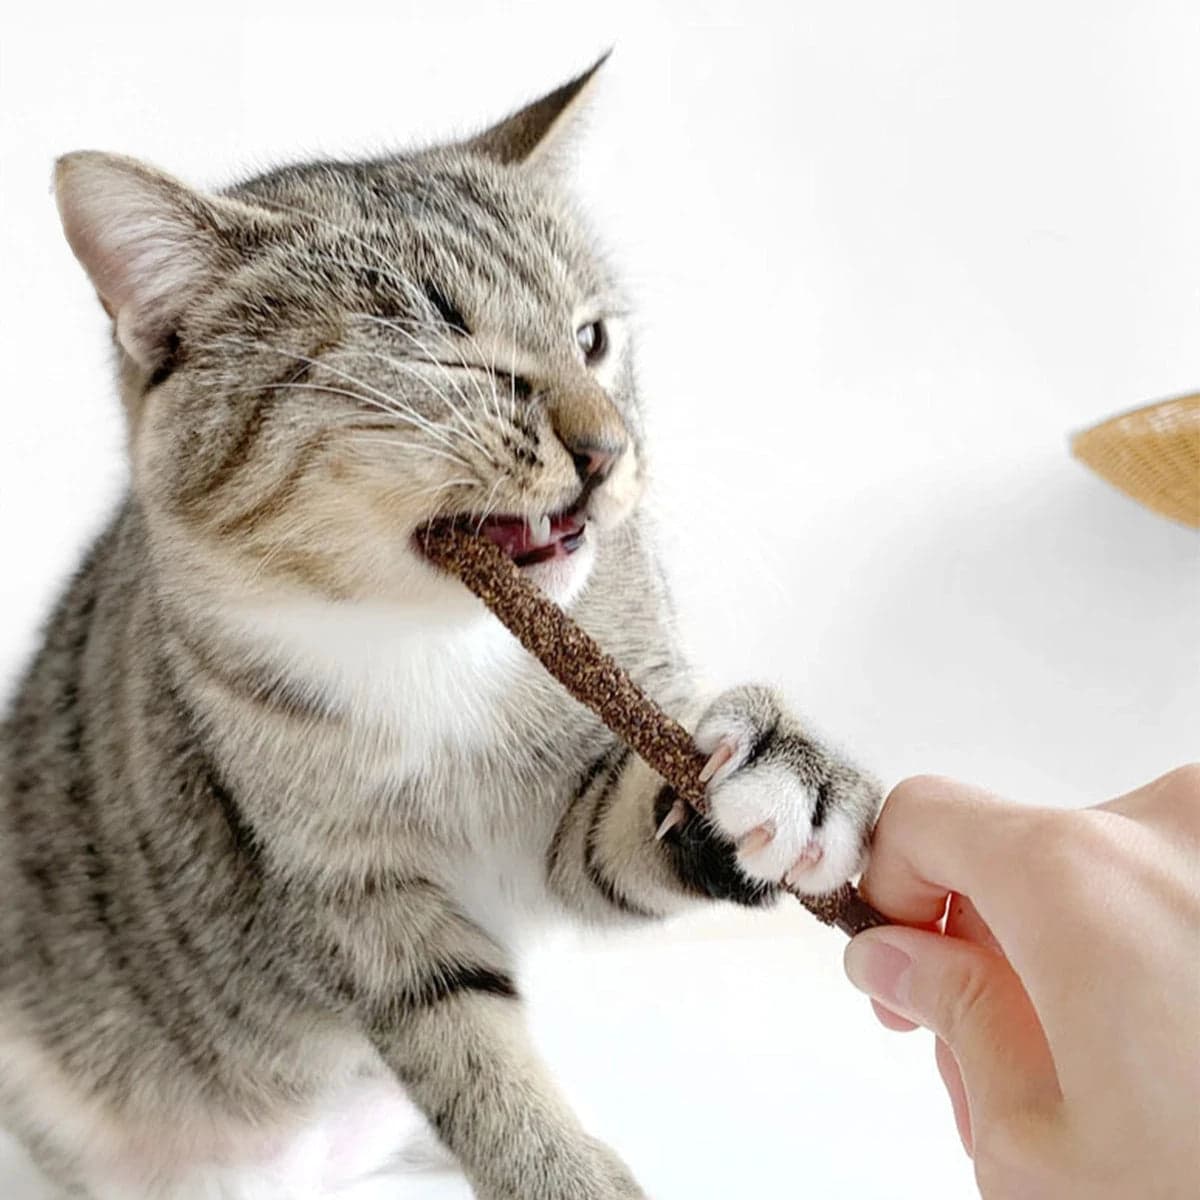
(593, 677)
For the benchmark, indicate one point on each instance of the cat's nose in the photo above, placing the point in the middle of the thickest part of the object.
(594, 461)
(590, 428)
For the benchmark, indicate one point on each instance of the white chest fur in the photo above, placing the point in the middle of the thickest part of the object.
(418, 696)
(430, 681)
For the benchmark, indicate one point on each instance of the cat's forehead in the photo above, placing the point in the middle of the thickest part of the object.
(438, 205)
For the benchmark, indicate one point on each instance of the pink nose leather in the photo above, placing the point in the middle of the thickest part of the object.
(593, 462)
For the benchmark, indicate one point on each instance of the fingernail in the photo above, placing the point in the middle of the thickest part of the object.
(879, 969)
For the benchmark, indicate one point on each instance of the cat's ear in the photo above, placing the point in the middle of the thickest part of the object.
(531, 134)
(147, 242)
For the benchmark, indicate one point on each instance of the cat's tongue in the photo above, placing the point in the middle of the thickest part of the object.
(529, 542)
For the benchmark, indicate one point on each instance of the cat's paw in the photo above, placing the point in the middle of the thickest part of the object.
(782, 808)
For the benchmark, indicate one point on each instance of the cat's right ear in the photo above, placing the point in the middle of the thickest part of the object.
(531, 135)
(147, 242)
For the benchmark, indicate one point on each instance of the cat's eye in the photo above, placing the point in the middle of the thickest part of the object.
(592, 340)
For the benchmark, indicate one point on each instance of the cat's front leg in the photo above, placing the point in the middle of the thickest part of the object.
(782, 807)
(468, 1064)
(445, 1016)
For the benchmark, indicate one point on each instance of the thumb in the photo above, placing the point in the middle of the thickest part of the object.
(973, 1000)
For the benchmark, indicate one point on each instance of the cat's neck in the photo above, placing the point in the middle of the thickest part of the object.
(385, 667)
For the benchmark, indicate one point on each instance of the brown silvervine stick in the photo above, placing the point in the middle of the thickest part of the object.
(593, 677)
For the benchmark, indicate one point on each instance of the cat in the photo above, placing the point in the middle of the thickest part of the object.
(280, 802)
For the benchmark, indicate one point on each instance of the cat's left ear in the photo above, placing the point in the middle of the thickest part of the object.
(149, 244)
(531, 135)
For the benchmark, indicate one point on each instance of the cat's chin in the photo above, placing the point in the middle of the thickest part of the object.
(562, 576)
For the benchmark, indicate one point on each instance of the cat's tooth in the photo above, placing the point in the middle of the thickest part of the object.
(539, 531)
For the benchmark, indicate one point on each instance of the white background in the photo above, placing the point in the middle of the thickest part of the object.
(888, 257)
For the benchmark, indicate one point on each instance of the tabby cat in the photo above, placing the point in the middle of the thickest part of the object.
(279, 801)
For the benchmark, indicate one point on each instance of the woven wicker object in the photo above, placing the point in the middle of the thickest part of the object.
(1151, 454)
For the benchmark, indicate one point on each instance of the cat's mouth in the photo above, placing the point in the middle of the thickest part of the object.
(526, 540)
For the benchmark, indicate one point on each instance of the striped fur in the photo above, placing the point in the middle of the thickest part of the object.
(279, 803)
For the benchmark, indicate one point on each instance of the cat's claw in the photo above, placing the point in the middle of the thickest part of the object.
(720, 758)
(810, 857)
(676, 815)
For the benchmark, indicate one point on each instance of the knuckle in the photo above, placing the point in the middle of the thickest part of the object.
(901, 805)
(1182, 788)
(1038, 837)
(1092, 834)
(1061, 852)
(914, 792)
(1065, 844)
(1184, 781)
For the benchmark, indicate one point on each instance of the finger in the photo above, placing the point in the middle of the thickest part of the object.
(947, 1066)
(936, 836)
(972, 999)
(891, 1020)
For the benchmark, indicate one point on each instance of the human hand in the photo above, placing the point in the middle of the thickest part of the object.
(1065, 990)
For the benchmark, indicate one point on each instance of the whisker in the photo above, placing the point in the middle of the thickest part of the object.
(487, 508)
(512, 381)
(403, 367)
(410, 289)
(385, 420)
(422, 347)
(401, 444)
(471, 368)
(447, 483)
(495, 407)
(393, 403)
(396, 403)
